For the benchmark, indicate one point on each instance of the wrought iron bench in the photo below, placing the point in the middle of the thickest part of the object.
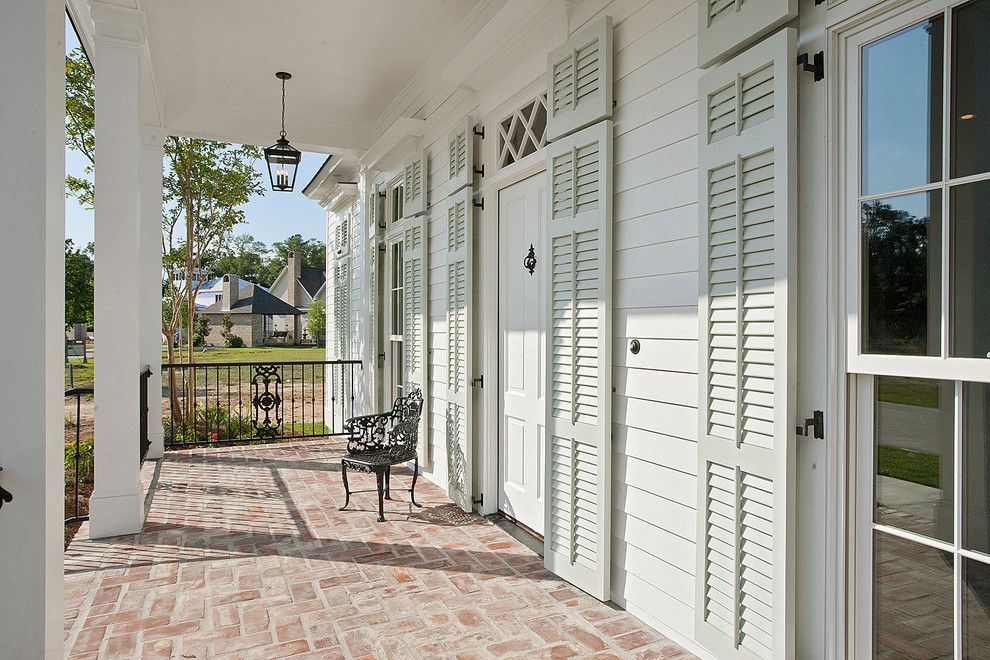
(377, 442)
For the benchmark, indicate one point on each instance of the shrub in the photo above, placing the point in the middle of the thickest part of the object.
(198, 339)
(85, 459)
(233, 341)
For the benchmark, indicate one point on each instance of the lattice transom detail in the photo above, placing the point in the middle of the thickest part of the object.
(523, 132)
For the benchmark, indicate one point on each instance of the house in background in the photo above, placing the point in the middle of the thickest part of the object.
(211, 291)
(251, 309)
(297, 286)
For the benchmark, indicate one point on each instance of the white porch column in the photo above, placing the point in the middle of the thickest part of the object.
(32, 208)
(150, 281)
(116, 506)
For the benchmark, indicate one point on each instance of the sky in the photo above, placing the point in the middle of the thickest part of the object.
(269, 218)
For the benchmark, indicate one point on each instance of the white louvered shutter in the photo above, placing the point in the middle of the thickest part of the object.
(579, 380)
(459, 396)
(341, 232)
(727, 26)
(373, 206)
(415, 321)
(341, 308)
(579, 91)
(745, 562)
(460, 156)
(414, 188)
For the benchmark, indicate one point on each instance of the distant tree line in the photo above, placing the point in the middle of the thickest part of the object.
(253, 260)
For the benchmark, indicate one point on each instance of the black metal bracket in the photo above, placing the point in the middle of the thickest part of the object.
(479, 500)
(816, 422)
(383, 194)
(381, 356)
(814, 64)
(480, 171)
(480, 132)
(5, 495)
(479, 205)
(381, 248)
(529, 263)
(480, 380)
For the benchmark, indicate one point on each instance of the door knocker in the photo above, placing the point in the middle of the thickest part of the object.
(530, 261)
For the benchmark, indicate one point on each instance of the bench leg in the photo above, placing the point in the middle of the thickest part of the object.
(388, 483)
(347, 490)
(380, 475)
(412, 491)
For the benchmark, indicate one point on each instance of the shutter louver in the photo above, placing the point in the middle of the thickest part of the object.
(414, 186)
(414, 321)
(459, 395)
(374, 208)
(460, 156)
(746, 489)
(580, 74)
(579, 382)
(341, 307)
(727, 26)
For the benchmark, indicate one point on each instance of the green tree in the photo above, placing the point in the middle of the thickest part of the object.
(80, 100)
(206, 185)
(78, 284)
(316, 320)
(312, 251)
(242, 256)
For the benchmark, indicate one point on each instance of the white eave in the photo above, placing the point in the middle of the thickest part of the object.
(404, 133)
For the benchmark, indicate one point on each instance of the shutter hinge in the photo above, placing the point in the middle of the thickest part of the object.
(480, 132)
(480, 171)
(480, 380)
(816, 422)
(814, 64)
(480, 500)
(479, 205)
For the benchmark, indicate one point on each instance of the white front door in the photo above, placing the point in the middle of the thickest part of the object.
(521, 340)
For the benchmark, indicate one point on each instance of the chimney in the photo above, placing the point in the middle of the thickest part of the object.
(294, 265)
(231, 292)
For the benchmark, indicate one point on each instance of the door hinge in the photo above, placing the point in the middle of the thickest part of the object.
(816, 422)
(480, 380)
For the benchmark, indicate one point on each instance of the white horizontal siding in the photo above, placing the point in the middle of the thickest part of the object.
(655, 290)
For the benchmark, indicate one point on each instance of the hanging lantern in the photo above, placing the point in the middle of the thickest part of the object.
(283, 159)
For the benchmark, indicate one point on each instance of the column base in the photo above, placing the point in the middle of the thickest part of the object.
(115, 513)
(156, 448)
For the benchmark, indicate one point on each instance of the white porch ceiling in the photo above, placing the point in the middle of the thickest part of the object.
(212, 63)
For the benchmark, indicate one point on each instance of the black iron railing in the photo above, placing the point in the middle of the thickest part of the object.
(222, 403)
(78, 460)
(143, 413)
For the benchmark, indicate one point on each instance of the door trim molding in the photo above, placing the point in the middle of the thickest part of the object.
(532, 165)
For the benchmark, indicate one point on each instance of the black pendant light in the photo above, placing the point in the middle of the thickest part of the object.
(283, 159)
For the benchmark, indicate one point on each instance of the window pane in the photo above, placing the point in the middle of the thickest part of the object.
(913, 455)
(970, 82)
(902, 288)
(970, 269)
(912, 600)
(902, 109)
(976, 467)
(976, 609)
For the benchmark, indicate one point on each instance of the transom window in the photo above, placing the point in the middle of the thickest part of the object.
(523, 132)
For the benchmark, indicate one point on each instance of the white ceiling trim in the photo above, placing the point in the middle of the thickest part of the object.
(404, 132)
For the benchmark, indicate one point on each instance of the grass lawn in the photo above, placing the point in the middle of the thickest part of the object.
(908, 391)
(207, 355)
(82, 374)
(907, 465)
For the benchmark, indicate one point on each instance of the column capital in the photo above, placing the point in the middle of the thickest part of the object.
(118, 24)
(153, 136)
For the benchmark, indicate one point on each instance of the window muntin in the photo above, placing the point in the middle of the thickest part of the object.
(935, 307)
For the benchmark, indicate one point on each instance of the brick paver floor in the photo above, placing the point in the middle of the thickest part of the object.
(244, 554)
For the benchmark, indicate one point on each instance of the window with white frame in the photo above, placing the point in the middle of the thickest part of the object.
(919, 331)
(523, 132)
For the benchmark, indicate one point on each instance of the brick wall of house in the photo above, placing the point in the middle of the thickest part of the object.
(246, 326)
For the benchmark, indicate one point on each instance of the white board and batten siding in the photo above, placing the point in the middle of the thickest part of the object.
(747, 181)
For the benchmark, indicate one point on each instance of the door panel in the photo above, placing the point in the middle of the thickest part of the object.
(521, 221)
